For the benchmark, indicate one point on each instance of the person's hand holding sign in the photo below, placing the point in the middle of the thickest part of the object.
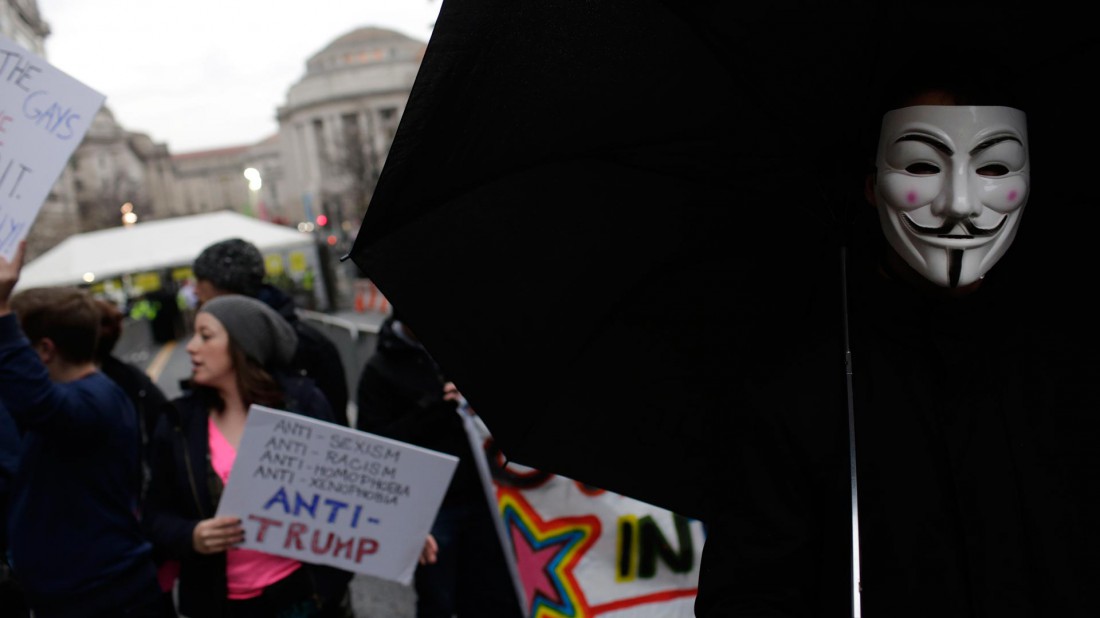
(217, 534)
(428, 555)
(451, 393)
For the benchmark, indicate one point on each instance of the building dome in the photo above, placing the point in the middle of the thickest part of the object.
(363, 62)
(368, 45)
(339, 120)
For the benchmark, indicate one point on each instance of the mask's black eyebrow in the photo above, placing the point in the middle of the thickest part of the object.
(996, 140)
(927, 139)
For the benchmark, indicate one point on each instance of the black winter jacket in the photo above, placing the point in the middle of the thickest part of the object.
(400, 396)
(316, 357)
(969, 505)
(180, 495)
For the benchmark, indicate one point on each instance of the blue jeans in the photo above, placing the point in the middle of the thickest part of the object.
(471, 578)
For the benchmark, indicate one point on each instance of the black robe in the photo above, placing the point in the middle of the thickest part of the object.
(976, 487)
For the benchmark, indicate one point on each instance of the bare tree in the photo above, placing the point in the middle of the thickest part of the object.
(352, 169)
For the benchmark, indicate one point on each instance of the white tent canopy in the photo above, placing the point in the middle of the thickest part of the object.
(151, 246)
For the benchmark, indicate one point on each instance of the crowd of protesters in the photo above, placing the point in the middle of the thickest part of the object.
(96, 484)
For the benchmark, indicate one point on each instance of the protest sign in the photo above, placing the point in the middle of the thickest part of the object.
(580, 551)
(326, 494)
(44, 114)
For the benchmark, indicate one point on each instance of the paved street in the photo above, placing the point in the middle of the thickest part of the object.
(377, 598)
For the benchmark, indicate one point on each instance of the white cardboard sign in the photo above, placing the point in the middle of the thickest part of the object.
(326, 494)
(44, 114)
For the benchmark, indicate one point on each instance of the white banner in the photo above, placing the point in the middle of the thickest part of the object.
(579, 551)
(326, 494)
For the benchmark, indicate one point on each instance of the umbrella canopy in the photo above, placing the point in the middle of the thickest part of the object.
(601, 217)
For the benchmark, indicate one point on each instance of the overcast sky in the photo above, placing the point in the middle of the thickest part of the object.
(201, 74)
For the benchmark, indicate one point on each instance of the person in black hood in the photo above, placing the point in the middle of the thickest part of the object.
(920, 461)
(236, 266)
(402, 394)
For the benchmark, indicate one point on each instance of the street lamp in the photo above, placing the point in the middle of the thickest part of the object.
(129, 217)
(255, 181)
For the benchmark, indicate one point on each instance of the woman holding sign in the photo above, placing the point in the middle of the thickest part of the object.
(237, 352)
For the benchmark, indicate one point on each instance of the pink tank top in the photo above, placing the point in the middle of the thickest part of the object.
(247, 571)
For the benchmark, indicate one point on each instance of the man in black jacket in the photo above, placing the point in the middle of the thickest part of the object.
(402, 394)
(236, 266)
(74, 539)
(146, 396)
(11, 594)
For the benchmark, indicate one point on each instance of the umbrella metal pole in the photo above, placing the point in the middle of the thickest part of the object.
(851, 439)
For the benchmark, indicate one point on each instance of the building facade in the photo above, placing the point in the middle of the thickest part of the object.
(58, 218)
(317, 173)
(117, 171)
(21, 22)
(338, 122)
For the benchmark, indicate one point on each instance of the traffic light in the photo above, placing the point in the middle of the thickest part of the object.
(322, 220)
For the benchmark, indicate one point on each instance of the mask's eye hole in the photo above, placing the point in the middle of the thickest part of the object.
(993, 169)
(922, 169)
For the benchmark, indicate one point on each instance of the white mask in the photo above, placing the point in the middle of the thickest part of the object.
(951, 185)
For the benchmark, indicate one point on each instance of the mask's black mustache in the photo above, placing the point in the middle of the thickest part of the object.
(944, 230)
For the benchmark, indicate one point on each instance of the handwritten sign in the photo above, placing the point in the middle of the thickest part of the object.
(325, 494)
(44, 114)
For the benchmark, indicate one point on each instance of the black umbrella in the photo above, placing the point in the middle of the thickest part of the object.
(601, 217)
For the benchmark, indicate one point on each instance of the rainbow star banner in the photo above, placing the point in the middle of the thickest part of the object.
(580, 552)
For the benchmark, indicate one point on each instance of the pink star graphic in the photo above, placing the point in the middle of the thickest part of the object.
(534, 566)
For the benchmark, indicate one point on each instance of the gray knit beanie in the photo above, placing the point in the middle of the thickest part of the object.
(232, 265)
(263, 334)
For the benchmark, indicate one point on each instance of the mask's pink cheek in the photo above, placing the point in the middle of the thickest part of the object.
(905, 192)
(1004, 196)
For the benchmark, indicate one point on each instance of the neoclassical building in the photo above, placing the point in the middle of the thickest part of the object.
(338, 122)
(21, 22)
(334, 132)
(113, 167)
(58, 218)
